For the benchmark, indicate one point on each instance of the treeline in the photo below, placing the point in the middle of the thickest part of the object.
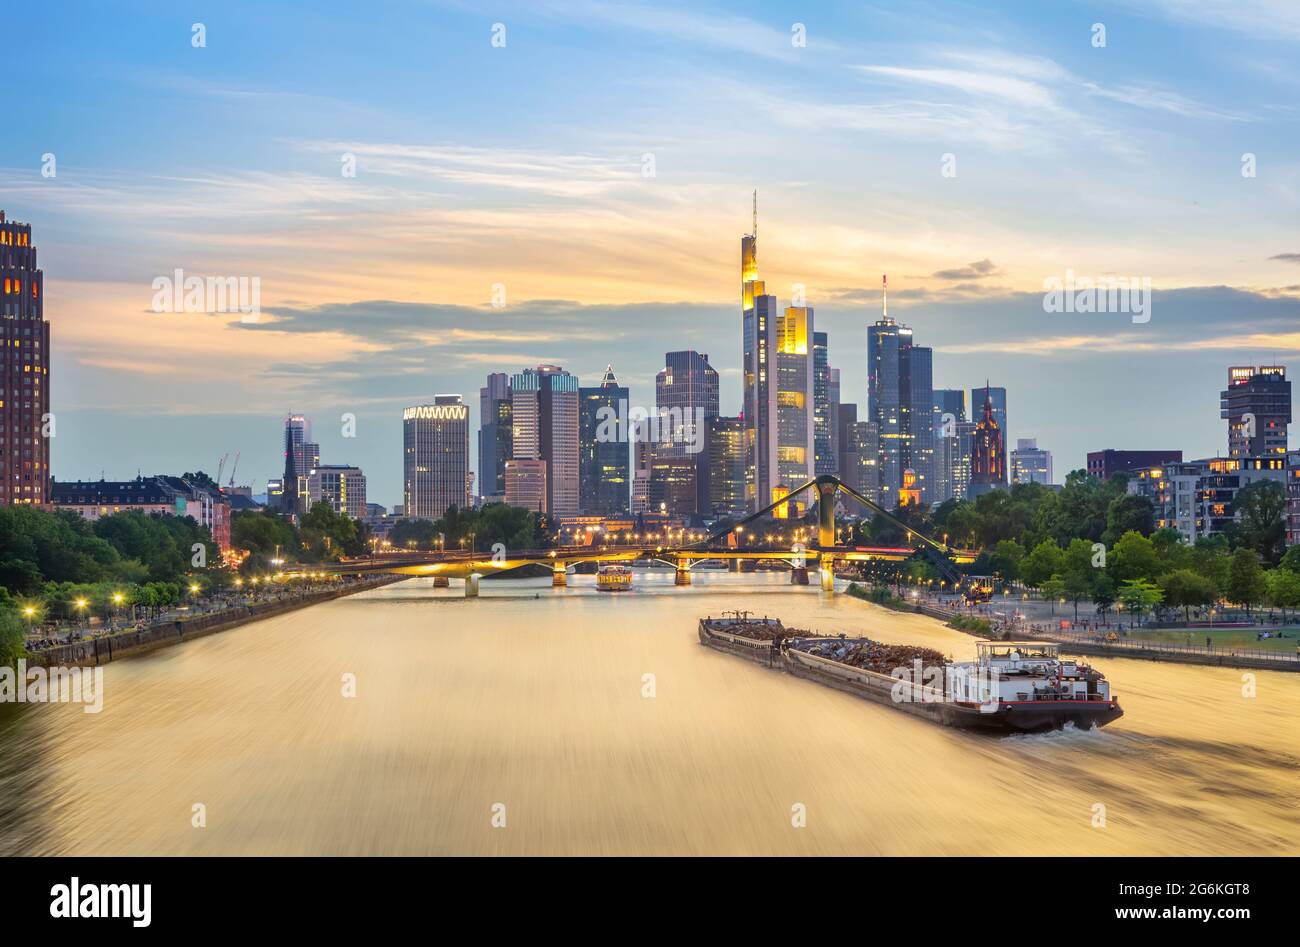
(475, 529)
(322, 536)
(1093, 541)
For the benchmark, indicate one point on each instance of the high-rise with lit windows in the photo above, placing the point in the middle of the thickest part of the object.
(900, 400)
(435, 457)
(1257, 406)
(26, 424)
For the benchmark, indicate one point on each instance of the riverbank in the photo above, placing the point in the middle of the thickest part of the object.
(1236, 657)
(89, 652)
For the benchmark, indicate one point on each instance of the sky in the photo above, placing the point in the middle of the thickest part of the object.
(593, 164)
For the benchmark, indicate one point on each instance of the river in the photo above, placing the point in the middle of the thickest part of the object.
(532, 706)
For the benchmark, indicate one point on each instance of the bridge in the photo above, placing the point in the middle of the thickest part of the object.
(825, 551)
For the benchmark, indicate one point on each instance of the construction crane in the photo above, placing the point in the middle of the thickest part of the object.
(221, 466)
(233, 468)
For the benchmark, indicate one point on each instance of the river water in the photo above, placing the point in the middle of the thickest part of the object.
(532, 706)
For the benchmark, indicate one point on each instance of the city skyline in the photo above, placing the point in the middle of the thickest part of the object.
(377, 289)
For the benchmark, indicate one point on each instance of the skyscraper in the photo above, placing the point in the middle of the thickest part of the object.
(824, 418)
(544, 403)
(495, 435)
(796, 424)
(24, 371)
(298, 461)
(675, 458)
(341, 486)
(833, 418)
(724, 472)
(1257, 406)
(604, 458)
(758, 321)
(900, 401)
(435, 457)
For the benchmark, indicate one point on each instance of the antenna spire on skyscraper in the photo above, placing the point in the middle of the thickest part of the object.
(755, 213)
(884, 296)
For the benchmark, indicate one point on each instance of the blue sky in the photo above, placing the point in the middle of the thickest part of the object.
(522, 165)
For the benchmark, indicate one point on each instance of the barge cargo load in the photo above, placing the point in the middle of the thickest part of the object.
(1011, 686)
(754, 639)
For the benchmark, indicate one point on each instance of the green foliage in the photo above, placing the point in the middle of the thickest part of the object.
(1187, 589)
(1140, 596)
(1246, 584)
(481, 529)
(1260, 525)
(11, 637)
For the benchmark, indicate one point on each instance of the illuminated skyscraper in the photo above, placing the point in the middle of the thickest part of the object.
(604, 462)
(759, 318)
(495, 435)
(544, 403)
(900, 401)
(435, 457)
(24, 371)
(796, 426)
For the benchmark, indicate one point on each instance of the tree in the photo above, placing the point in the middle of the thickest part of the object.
(1186, 589)
(1139, 597)
(1133, 557)
(1053, 590)
(1103, 593)
(1259, 523)
(1129, 514)
(1246, 584)
(1284, 590)
(1291, 561)
(1041, 564)
(1005, 559)
(11, 638)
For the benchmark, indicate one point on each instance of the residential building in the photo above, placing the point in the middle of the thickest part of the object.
(1257, 407)
(1104, 464)
(1197, 497)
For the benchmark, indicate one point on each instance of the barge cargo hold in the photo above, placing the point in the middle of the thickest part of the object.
(1011, 687)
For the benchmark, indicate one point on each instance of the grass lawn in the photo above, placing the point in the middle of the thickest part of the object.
(1223, 637)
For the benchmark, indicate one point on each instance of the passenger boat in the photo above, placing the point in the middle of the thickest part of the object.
(613, 578)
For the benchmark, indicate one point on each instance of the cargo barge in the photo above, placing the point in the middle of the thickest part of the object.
(1011, 686)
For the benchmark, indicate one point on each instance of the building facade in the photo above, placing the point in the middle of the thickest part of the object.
(544, 404)
(1104, 464)
(1257, 406)
(341, 486)
(495, 436)
(796, 421)
(604, 464)
(1196, 497)
(988, 454)
(25, 419)
(160, 495)
(759, 317)
(435, 457)
(724, 480)
(1029, 463)
(900, 401)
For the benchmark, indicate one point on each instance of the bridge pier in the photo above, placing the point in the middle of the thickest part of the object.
(471, 585)
(799, 575)
(441, 582)
(828, 573)
(683, 576)
(559, 576)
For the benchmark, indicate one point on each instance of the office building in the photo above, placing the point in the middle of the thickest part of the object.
(435, 457)
(495, 436)
(341, 486)
(900, 401)
(25, 418)
(1257, 406)
(544, 406)
(824, 407)
(1029, 463)
(723, 488)
(1104, 464)
(526, 484)
(604, 448)
(759, 318)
